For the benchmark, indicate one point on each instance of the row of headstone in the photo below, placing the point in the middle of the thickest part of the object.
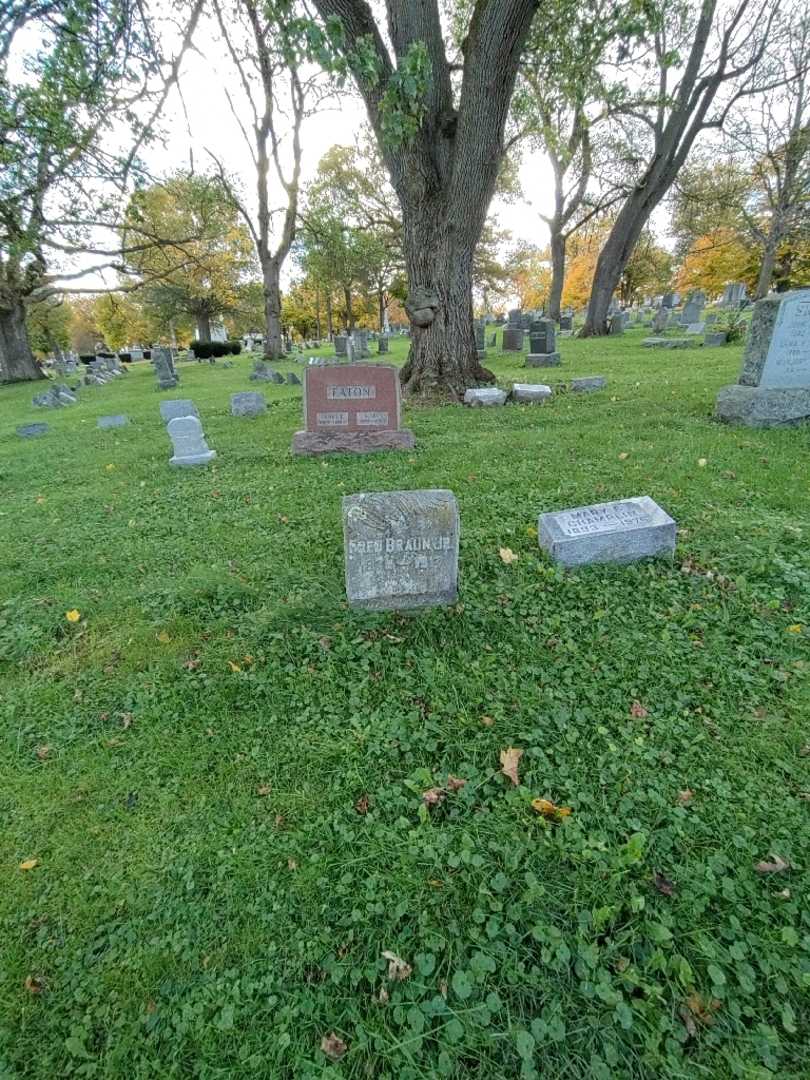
(530, 393)
(401, 547)
(57, 396)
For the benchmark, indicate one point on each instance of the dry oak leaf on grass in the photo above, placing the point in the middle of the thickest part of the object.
(433, 796)
(510, 758)
(507, 555)
(638, 710)
(550, 810)
(34, 984)
(664, 885)
(775, 867)
(398, 969)
(685, 796)
(362, 804)
(29, 864)
(455, 783)
(333, 1046)
(697, 1008)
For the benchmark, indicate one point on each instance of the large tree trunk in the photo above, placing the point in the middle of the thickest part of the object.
(273, 344)
(614, 256)
(768, 260)
(347, 300)
(203, 326)
(17, 363)
(557, 245)
(381, 308)
(443, 358)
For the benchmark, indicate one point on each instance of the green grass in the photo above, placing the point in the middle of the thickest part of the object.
(208, 902)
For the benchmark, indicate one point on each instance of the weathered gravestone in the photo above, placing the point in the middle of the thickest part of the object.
(486, 395)
(119, 420)
(695, 328)
(248, 403)
(566, 322)
(542, 345)
(32, 431)
(382, 344)
(774, 385)
(734, 295)
(188, 442)
(715, 337)
(588, 384)
(480, 339)
(668, 300)
(513, 317)
(167, 377)
(660, 320)
(341, 341)
(401, 549)
(667, 343)
(530, 393)
(616, 324)
(351, 408)
(614, 532)
(56, 397)
(177, 407)
(292, 379)
(512, 339)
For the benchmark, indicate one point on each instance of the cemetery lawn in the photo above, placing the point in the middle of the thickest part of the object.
(213, 835)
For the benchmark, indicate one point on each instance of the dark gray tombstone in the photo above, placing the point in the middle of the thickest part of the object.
(174, 407)
(512, 339)
(167, 377)
(32, 431)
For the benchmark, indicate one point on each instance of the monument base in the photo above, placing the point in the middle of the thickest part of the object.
(552, 359)
(194, 459)
(755, 406)
(351, 442)
(668, 343)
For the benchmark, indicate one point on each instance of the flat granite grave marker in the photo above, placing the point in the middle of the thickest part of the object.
(613, 532)
(351, 408)
(32, 431)
(530, 393)
(188, 442)
(248, 403)
(484, 395)
(119, 420)
(401, 549)
(588, 384)
(175, 407)
(774, 385)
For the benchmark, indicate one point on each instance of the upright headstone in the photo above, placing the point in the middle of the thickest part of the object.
(188, 442)
(668, 300)
(566, 322)
(382, 344)
(512, 339)
(351, 408)
(167, 377)
(734, 295)
(513, 317)
(401, 549)
(174, 407)
(660, 320)
(615, 532)
(616, 323)
(774, 385)
(248, 403)
(543, 345)
(340, 344)
(480, 340)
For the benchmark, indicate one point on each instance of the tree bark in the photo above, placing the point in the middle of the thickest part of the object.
(203, 326)
(17, 363)
(769, 258)
(347, 300)
(445, 174)
(557, 245)
(273, 343)
(330, 331)
(381, 309)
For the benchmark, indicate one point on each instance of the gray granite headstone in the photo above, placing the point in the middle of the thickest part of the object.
(32, 431)
(588, 384)
(774, 385)
(512, 339)
(614, 532)
(188, 442)
(292, 379)
(119, 420)
(382, 344)
(340, 344)
(401, 549)
(715, 337)
(489, 395)
(529, 393)
(177, 407)
(164, 368)
(616, 325)
(248, 403)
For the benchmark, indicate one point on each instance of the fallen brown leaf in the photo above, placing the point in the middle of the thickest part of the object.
(509, 763)
(333, 1046)
(398, 969)
(292, 864)
(507, 555)
(664, 885)
(325, 643)
(688, 1021)
(382, 996)
(263, 789)
(34, 984)
(702, 1009)
(126, 720)
(638, 710)
(362, 804)
(775, 867)
(487, 721)
(433, 796)
(455, 783)
(29, 864)
(550, 810)
(42, 752)
(685, 796)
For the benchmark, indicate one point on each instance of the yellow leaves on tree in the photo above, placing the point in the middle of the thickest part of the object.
(715, 259)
